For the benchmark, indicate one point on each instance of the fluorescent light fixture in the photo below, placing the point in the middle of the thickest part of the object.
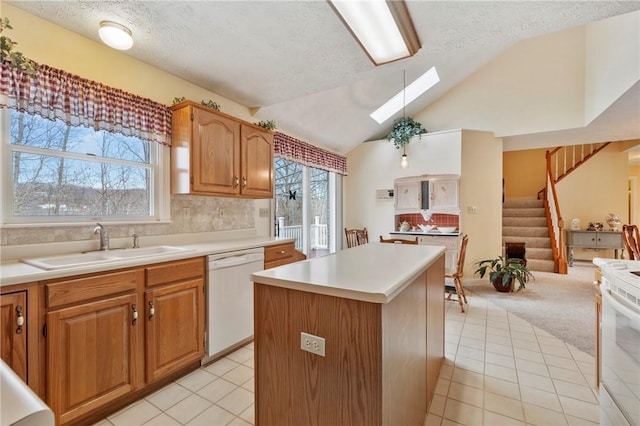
(383, 28)
(115, 35)
(423, 83)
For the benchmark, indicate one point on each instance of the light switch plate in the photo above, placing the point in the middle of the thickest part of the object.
(263, 212)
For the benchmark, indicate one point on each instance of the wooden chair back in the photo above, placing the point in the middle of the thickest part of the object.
(462, 251)
(398, 240)
(457, 289)
(631, 238)
(356, 237)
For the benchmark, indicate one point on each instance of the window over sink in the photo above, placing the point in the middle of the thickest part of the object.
(54, 172)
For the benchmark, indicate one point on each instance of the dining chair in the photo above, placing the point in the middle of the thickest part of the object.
(398, 240)
(631, 238)
(455, 276)
(356, 237)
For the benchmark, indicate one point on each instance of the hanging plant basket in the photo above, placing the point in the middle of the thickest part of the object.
(403, 130)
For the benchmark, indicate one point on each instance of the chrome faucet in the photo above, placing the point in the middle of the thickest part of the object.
(104, 237)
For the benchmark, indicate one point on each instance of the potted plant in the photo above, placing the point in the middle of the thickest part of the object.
(503, 273)
(403, 130)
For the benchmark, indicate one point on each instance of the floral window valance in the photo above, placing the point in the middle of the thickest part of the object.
(292, 149)
(58, 95)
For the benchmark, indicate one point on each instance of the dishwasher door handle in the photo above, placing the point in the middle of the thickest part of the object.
(233, 261)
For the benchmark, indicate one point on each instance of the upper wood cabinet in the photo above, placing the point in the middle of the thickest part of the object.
(213, 153)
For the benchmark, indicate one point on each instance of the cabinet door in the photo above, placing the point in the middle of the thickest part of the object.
(609, 239)
(257, 163)
(583, 239)
(407, 195)
(13, 328)
(174, 317)
(444, 194)
(91, 355)
(216, 153)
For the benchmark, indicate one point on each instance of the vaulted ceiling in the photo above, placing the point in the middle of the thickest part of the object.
(294, 61)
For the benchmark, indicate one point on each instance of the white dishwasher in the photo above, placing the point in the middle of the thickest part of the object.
(230, 298)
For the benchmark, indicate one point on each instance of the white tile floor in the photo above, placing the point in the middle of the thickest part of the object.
(498, 370)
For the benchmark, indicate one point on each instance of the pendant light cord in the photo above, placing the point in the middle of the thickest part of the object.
(404, 104)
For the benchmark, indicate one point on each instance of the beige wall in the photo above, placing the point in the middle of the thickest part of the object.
(634, 193)
(524, 172)
(50, 44)
(481, 186)
(535, 86)
(596, 189)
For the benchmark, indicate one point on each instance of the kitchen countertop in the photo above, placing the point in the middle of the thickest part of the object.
(374, 272)
(16, 272)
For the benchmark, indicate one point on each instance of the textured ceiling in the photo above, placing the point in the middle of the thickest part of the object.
(297, 64)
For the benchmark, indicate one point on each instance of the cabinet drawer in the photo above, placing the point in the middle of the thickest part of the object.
(59, 293)
(279, 252)
(178, 270)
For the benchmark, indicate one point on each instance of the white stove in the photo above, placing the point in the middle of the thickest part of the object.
(622, 279)
(620, 342)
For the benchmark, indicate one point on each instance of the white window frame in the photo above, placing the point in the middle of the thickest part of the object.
(159, 198)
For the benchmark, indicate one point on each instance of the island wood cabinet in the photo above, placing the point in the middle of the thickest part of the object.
(174, 302)
(213, 153)
(93, 331)
(13, 329)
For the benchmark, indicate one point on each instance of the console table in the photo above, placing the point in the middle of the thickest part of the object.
(593, 240)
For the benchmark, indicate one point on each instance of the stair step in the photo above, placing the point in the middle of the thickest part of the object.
(531, 242)
(524, 221)
(520, 231)
(540, 265)
(522, 203)
(539, 254)
(524, 212)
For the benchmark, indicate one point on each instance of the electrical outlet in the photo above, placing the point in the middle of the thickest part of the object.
(311, 343)
(186, 214)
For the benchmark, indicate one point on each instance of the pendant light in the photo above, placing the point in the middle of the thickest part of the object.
(404, 160)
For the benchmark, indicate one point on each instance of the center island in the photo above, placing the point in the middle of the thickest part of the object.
(380, 310)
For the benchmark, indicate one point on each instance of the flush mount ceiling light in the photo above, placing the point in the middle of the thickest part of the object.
(382, 27)
(407, 95)
(115, 35)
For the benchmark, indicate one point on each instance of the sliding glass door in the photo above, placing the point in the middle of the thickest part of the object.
(305, 207)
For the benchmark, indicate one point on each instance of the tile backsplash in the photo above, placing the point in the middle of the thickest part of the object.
(437, 219)
(189, 214)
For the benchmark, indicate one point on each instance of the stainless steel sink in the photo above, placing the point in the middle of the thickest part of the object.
(92, 258)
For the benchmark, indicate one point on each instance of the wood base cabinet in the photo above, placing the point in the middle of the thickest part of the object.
(114, 333)
(175, 316)
(13, 340)
(93, 332)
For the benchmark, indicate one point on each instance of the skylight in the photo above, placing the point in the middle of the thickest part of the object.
(423, 83)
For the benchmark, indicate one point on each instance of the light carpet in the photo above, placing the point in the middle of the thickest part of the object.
(563, 305)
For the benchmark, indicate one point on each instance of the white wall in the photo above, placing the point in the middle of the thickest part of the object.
(375, 165)
(612, 63)
(476, 156)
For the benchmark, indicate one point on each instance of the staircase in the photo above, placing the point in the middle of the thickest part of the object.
(524, 220)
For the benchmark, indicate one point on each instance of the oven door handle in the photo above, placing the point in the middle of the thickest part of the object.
(619, 307)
